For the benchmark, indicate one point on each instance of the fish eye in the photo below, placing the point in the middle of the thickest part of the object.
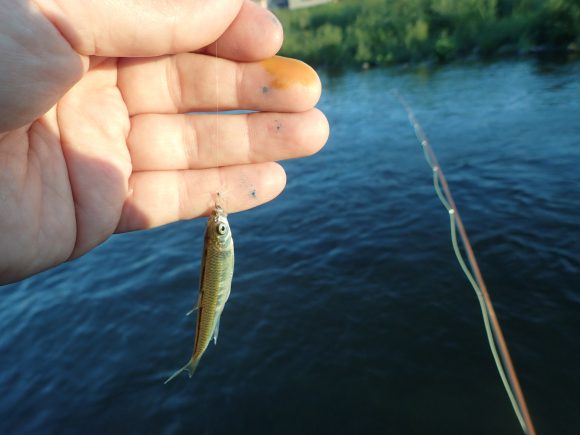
(221, 229)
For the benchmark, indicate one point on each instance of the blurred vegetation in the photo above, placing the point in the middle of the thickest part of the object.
(383, 32)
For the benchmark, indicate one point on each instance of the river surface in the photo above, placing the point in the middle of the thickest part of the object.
(349, 313)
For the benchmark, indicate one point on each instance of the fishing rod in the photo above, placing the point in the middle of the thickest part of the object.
(492, 328)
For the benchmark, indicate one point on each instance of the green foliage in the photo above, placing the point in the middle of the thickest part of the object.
(445, 47)
(381, 32)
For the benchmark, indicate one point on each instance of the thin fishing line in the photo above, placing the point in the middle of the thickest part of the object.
(218, 198)
(217, 107)
(492, 328)
(484, 311)
(467, 272)
(485, 315)
(438, 189)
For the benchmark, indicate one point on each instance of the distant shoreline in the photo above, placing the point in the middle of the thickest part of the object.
(369, 33)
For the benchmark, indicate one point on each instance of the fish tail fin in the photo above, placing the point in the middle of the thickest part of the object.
(189, 368)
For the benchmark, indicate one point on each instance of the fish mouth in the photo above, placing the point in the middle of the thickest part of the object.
(218, 211)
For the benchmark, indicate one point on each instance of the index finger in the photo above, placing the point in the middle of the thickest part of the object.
(255, 34)
(127, 28)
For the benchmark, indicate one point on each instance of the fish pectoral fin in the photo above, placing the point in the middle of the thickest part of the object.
(195, 308)
(216, 328)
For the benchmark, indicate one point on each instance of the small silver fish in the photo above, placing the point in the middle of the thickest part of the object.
(217, 270)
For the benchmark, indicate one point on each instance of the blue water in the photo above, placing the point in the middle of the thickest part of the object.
(348, 313)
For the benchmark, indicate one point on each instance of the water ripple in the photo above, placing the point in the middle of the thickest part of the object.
(348, 311)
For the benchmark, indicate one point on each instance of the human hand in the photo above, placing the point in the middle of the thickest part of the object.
(93, 133)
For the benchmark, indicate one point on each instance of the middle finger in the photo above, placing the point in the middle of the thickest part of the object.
(173, 142)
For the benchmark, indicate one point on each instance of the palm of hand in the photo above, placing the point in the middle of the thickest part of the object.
(65, 177)
(94, 145)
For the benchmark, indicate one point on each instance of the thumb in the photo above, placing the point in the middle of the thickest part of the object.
(126, 28)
